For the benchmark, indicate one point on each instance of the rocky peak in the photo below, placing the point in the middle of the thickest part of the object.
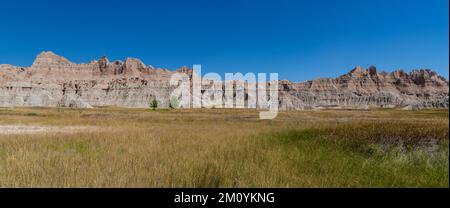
(134, 62)
(49, 59)
(118, 63)
(383, 73)
(427, 73)
(103, 62)
(372, 71)
(358, 71)
(184, 69)
(399, 74)
(423, 76)
(134, 65)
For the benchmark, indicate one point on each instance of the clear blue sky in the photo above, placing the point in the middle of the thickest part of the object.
(300, 40)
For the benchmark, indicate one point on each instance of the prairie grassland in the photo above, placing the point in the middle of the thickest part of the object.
(224, 148)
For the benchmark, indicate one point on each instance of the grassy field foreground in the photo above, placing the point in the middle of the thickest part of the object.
(225, 148)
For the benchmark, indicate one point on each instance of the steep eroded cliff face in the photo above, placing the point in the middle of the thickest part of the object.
(362, 88)
(54, 81)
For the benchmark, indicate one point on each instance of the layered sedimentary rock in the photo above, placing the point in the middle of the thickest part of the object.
(367, 88)
(54, 81)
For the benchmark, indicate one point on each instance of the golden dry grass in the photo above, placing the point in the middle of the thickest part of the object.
(225, 148)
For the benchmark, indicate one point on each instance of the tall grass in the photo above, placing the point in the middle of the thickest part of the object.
(226, 148)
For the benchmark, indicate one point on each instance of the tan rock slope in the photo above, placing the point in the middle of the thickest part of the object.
(54, 81)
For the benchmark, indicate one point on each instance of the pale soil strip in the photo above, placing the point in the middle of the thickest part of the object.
(27, 129)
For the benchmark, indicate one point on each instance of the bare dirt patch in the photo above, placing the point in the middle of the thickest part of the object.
(29, 129)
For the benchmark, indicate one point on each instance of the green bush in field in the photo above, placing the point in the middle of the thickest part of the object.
(154, 104)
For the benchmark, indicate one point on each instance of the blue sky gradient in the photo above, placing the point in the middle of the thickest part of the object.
(300, 40)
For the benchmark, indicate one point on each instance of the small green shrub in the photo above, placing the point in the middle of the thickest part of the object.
(154, 104)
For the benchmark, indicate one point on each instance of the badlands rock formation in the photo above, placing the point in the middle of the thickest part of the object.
(54, 81)
(363, 88)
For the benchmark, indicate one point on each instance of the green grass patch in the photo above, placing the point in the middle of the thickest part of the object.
(327, 159)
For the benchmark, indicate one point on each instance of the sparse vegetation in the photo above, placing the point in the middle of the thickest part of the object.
(226, 148)
(154, 104)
